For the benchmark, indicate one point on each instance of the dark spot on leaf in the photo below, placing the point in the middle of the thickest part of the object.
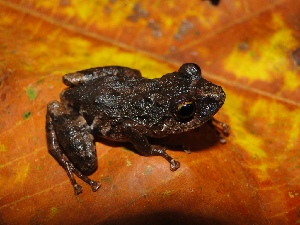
(296, 56)
(26, 115)
(137, 13)
(106, 179)
(214, 2)
(40, 81)
(243, 46)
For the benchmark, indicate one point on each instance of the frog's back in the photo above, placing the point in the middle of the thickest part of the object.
(108, 90)
(88, 75)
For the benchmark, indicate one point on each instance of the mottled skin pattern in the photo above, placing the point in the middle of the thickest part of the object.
(119, 104)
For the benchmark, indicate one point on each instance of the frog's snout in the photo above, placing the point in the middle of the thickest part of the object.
(218, 94)
(53, 106)
(206, 89)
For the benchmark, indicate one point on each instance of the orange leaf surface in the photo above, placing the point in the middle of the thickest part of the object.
(250, 48)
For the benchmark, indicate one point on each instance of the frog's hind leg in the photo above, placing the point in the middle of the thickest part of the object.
(55, 150)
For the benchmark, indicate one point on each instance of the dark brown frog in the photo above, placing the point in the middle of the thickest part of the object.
(119, 104)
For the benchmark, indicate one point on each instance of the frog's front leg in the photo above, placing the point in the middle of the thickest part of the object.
(221, 129)
(142, 145)
(71, 145)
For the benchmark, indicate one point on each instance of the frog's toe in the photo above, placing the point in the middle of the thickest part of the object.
(174, 165)
(77, 189)
(222, 140)
(95, 185)
(225, 129)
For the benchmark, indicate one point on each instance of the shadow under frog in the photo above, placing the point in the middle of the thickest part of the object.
(118, 104)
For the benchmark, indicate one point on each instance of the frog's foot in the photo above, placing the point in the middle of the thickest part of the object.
(77, 188)
(159, 151)
(70, 169)
(221, 129)
(94, 184)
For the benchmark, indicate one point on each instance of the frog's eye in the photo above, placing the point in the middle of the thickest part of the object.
(185, 110)
(183, 107)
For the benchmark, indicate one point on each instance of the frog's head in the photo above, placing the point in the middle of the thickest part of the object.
(200, 102)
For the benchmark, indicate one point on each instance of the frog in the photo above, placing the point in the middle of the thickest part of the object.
(119, 104)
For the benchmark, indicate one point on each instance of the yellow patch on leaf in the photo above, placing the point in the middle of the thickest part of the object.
(250, 142)
(255, 137)
(268, 58)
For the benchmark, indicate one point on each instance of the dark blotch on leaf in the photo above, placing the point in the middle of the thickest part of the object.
(26, 115)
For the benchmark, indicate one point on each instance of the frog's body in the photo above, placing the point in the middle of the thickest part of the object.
(117, 103)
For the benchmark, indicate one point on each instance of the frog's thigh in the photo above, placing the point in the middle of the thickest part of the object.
(79, 146)
(74, 136)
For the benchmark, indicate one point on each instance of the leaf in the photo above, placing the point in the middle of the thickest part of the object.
(251, 48)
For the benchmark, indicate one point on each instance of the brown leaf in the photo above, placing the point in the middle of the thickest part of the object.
(248, 47)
